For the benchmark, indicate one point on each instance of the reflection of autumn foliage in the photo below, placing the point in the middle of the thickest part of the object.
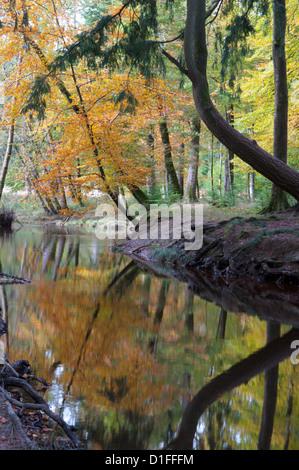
(109, 337)
(102, 344)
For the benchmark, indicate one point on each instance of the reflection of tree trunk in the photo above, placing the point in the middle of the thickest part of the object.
(260, 361)
(4, 303)
(48, 250)
(270, 395)
(289, 412)
(189, 308)
(161, 301)
(23, 258)
(124, 278)
(61, 244)
(159, 314)
(4, 315)
(146, 286)
(221, 324)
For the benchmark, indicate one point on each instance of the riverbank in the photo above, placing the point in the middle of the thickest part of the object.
(237, 241)
(257, 248)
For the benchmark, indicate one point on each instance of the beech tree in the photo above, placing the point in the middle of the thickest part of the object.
(128, 36)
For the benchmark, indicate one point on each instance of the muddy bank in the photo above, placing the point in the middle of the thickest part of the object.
(255, 248)
(245, 265)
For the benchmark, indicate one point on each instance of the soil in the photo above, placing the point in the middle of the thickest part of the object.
(28, 431)
(12, 433)
(262, 248)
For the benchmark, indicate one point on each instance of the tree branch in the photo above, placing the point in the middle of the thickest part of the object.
(175, 62)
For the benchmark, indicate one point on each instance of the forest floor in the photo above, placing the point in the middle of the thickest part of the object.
(12, 433)
(29, 430)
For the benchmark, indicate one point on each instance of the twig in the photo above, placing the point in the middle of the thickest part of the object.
(15, 278)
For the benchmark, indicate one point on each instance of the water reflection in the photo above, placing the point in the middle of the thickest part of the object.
(143, 361)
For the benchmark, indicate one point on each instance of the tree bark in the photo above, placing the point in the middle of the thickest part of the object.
(251, 185)
(151, 179)
(6, 158)
(180, 166)
(171, 175)
(278, 199)
(249, 151)
(191, 183)
(229, 164)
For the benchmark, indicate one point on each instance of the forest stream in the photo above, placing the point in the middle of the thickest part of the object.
(140, 355)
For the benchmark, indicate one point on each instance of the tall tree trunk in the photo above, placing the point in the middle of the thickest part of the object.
(220, 172)
(278, 199)
(191, 183)
(212, 163)
(7, 157)
(227, 181)
(171, 176)
(180, 166)
(249, 151)
(231, 119)
(151, 179)
(251, 185)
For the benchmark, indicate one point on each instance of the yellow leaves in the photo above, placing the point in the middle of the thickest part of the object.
(86, 130)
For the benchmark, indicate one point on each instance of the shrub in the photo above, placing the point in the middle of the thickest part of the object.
(7, 217)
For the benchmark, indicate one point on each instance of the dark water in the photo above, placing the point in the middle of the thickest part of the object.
(129, 353)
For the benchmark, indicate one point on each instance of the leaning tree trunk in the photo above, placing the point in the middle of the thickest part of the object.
(249, 151)
(278, 200)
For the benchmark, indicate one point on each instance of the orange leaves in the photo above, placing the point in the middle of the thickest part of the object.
(93, 135)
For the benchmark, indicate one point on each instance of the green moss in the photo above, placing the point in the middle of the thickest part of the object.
(168, 254)
(267, 233)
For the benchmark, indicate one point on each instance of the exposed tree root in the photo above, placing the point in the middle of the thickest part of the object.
(16, 376)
